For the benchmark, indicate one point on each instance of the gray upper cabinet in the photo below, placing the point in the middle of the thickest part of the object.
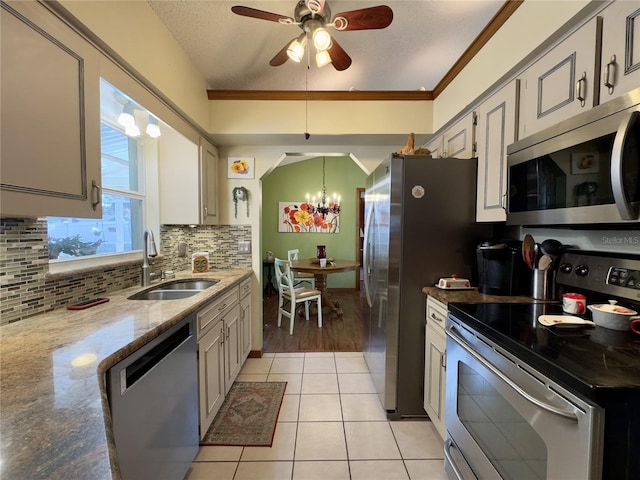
(620, 49)
(497, 126)
(50, 100)
(209, 179)
(458, 140)
(188, 181)
(561, 83)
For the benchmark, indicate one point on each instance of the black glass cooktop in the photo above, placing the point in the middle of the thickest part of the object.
(597, 362)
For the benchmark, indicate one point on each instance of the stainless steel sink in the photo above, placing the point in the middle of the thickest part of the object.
(175, 290)
(189, 285)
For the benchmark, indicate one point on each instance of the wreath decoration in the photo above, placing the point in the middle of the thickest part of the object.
(240, 193)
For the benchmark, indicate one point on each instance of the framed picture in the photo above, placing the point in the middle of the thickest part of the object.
(294, 217)
(240, 167)
(585, 162)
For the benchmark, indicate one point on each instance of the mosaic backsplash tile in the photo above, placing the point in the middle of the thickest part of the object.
(26, 289)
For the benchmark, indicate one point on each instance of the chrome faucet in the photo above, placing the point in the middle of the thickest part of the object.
(148, 250)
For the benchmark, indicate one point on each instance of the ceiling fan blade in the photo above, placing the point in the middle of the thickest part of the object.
(364, 19)
(339, 58)
(261, 14)
(316, 6)
(281, 57)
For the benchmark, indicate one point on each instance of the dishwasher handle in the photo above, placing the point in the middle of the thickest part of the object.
(147, 361)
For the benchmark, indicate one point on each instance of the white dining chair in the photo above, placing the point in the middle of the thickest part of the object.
(289, 297)
(301, 277)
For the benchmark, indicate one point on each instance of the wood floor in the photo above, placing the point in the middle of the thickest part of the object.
(338, 334)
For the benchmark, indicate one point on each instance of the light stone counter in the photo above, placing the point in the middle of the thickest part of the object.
(54, 416)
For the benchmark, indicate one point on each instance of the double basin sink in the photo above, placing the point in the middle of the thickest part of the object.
(174, 290)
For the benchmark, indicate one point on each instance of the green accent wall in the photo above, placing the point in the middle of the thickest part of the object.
(291, 183)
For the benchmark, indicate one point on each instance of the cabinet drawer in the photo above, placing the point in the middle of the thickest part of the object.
(209, 315)
(436, 313)
(245, 288)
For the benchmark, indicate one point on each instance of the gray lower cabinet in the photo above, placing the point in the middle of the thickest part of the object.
(221, 349)
(434, 364)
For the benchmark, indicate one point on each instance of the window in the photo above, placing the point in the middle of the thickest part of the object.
(123, 194)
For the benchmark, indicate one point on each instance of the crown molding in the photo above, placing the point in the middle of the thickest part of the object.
(326, 95)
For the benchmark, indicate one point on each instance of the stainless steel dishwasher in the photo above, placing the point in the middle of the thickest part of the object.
(153, 395)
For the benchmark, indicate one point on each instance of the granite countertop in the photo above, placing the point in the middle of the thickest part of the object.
(473, 296)
(54, 415)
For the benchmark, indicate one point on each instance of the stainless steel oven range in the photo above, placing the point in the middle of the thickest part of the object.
(524, 401)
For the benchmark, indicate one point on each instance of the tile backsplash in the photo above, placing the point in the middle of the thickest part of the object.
(27, 288)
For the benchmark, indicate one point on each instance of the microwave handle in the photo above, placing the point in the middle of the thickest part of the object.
(617, 180)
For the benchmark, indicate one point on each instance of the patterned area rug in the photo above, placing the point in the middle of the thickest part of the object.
(248, 415)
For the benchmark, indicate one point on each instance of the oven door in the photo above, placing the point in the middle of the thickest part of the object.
(507, 421)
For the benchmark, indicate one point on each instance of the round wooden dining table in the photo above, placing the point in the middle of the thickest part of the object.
(312, 265)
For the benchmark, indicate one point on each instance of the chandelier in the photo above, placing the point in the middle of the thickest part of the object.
(323, 207)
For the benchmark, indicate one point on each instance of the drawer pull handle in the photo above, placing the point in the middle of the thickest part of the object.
(222, 307)
(436, 318)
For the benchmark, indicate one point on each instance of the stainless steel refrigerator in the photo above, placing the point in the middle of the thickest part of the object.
(419, 226)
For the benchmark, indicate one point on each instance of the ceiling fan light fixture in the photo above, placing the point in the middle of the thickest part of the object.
(296, 49)
(323, 58)
(321, 39)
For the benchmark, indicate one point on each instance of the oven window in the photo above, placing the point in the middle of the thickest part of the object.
(505, 437)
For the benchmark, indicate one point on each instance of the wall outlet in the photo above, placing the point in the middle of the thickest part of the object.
(182, 249)
(244, 246)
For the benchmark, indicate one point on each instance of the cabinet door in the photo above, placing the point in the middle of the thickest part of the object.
(458, 141)
(245, 326)
(179, 175)
(434, 363)
(50, 100)
(620, 49)
(495, 130)
(209, 185)
(435, 146)
(232, 347)
(211, 375)
(552, 87)
(435, 377)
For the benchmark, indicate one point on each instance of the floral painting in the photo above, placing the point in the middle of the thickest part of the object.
(298, 217)
(240, 167)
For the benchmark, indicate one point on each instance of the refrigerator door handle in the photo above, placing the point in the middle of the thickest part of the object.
(365, 256)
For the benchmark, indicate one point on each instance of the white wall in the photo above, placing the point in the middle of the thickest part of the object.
(134, 32)
(322, 118)
(529, 26)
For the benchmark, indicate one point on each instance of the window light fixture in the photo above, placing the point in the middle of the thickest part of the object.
(153, 129)
(126, 118)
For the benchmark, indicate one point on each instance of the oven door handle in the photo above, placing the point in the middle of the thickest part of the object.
(545, 406)
(447, 455)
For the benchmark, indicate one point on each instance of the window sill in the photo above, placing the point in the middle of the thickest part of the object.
(65, 268)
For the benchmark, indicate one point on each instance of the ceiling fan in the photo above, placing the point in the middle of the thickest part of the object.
(312, 16)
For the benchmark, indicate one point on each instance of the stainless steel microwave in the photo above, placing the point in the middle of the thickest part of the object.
(585, 170)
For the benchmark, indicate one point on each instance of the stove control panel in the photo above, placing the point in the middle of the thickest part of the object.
(608, 274)
(624, 277)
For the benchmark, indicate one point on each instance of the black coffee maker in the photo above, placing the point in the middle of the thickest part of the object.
(501, 269)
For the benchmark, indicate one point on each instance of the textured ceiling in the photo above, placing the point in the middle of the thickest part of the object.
(415, 52)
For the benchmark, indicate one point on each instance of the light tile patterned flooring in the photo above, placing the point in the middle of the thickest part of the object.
(331, 427)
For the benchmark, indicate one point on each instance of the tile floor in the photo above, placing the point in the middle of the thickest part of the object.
(331, 427)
